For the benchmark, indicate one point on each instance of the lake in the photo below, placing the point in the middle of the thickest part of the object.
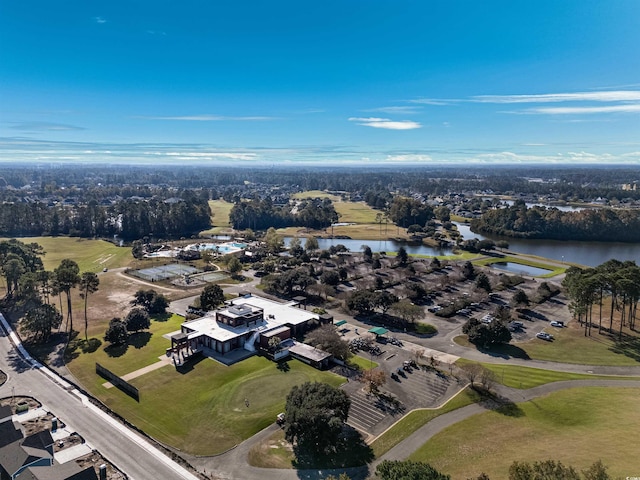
(584, 253)
(591, 254)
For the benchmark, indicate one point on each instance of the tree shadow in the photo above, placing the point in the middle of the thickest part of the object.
(161, 317)
(629, 346)
(505, 351)
(500, 404)
(17, 363)
(139, 339)
(283, 366)
(349, 451)
(116, 351)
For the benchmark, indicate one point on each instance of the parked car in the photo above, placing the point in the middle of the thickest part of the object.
(545, 336)
(557, 323)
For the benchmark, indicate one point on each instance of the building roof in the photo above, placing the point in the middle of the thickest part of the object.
(9, 432)
(307, 351)
(5, 412)
(65, 471)
(275, 315)
(21, 452)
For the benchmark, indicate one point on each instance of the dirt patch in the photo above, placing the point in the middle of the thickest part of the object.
(68, 442)
(13, 402)
(40, 424)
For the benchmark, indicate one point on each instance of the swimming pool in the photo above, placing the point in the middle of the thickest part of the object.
(223, 248)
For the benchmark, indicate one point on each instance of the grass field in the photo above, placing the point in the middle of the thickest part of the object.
(363, 363)
(571, 346)
(525, 377)
(276, 452)
(91, 255)
(220, 213)
(144, 349)
(576, 426)
(417, 418)
(315, 194)
(200, 411)
(350, 212)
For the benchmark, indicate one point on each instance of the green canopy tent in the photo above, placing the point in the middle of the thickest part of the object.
(377, 331)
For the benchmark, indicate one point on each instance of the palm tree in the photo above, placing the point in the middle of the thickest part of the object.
(89, 282)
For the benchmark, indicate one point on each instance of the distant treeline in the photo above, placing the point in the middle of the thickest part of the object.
(601, 224)
(263, 214)
(130, 219)
(84, 182)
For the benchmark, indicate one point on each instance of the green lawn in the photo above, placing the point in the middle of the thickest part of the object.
(363, 363)
(525, 377)
(220, 213)
(91, 255)
(571, 346)
(357, 212)
(201, 411)
(144, 349)
(576, 426)
(315, 194)
(417, 418)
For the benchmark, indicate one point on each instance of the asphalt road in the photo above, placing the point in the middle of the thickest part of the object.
(129, 451)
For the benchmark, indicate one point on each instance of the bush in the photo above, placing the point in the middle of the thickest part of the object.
(426, 329)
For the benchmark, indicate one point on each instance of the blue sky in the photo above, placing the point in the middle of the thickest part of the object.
(347, 82)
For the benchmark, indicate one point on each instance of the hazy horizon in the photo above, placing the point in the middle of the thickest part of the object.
(375, 83)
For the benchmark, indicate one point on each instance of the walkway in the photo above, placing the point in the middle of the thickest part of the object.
(163, 362)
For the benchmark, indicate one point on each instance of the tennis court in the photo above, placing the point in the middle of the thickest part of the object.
(164, 272)
(210, 276)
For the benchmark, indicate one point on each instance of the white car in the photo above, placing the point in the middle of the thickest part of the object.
(557, 324)
(545, 336)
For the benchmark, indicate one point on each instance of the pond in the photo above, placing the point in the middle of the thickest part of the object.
(376, 246)
(520, 269)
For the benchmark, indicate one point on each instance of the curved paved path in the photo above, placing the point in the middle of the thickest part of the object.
(233, 464)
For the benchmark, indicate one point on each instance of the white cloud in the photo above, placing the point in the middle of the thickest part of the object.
(611, 96)
(434, 101)
(407, 109)
(409, 158)
(206, 155)
(208, 118)
(100, 20)
(386, 123)
(44, 126)
(627, 108)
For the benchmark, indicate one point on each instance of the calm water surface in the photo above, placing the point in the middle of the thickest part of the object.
(584, 253)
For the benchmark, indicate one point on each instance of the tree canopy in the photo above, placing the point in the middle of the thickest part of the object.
(408, 470)
(326, 338)
(211, 296)
(314, 416)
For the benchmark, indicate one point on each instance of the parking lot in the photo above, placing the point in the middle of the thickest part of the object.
(415, 387)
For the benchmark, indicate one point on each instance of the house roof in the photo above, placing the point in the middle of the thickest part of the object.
(65, 471)
(9, 432)
(21, 452)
